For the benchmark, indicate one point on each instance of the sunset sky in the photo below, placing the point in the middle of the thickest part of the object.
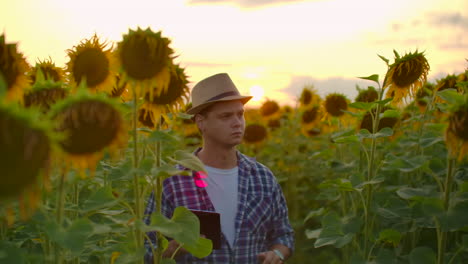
(265, 45)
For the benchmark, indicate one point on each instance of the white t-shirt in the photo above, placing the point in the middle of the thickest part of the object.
(222, 190)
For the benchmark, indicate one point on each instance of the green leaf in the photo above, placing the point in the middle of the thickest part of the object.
(390, 114)
(201, 248)
(167, 170)
(100, 199)
(184, 226)
(396, 54)
(3, 86)
(384, 132)
(347, 139)
(332, 232)
(384, 102)
(408, 193)
(384, 59)
(422, 255)
(451, 96)
(188, 160)
(184, 116)
(313, 234)
(76, 235)
(11, 253)
(373, 77)
(390, 236)
(363, 105)
(168, 261)
(314, 213)
(386, 256)
(162, 136)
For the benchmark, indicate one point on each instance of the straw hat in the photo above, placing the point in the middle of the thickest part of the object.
(216, 88)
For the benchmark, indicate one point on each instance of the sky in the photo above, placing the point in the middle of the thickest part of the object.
(270, 48)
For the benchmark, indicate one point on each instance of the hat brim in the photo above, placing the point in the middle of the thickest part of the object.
(198, 108)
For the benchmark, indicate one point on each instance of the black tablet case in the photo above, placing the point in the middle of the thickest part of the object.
(210, 226)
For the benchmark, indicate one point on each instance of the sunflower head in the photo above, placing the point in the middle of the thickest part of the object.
(367, 120)
(145, 58)
(274, 123)
(92, 62)
(44, 94)
(170, 100)
(406, 75)
(255, 133)
(367, 95)
(310, 115)
(309, 96)
(269, 108)
(27, 143)
(457, 131)
(90, 124)
(47, 71)
(13, 67)
(335, 104)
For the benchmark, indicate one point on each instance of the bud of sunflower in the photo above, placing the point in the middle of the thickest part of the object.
(406, 75)
(47, 71)
(145, 58)
(255, 133)
(13, 67)
(368, 95)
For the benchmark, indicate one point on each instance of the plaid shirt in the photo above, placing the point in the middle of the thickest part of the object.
(261, 220)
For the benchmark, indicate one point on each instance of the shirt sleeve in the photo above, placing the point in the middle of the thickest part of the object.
(282, 232)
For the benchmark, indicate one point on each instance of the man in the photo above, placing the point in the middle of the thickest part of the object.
(254, 216)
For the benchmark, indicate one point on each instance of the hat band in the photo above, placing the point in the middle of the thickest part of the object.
(219, 96)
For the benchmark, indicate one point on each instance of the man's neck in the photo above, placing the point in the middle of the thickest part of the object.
(221, 158)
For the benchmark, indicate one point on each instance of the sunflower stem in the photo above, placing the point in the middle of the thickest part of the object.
(136, 183)
(158, 194)
(59, 216)
(448, 188)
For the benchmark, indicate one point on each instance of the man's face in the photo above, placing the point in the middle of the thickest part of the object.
(224, 124)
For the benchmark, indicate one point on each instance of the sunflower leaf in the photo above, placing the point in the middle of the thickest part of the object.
(373, 77)
(384, 59)
(362, 105)
(397, 56)
(188, 160)
(451, 96)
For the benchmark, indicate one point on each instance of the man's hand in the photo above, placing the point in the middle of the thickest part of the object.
(269, 257)
(171, 248)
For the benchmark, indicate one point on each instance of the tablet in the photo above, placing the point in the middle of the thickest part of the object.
(210, 226)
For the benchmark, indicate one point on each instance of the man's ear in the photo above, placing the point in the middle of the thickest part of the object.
(199, 121)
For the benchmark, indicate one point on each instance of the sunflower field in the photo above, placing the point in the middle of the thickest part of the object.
(380, 178)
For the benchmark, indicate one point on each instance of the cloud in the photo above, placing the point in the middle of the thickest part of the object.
(455, 19)
(246, 3)
(346, 86)
(205, 64)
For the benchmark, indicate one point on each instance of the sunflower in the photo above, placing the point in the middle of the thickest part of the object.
(335, 104)
(255, 133)
(457, 131)
(145, 58)
(367, 95)
(48, 70)
(168, 101)
(90, 123)
(93, 63)
(44, 94)
(13, 68)
(274, 123)
(309, 96)
(25, 154)
(406, 75)
(269, 108)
